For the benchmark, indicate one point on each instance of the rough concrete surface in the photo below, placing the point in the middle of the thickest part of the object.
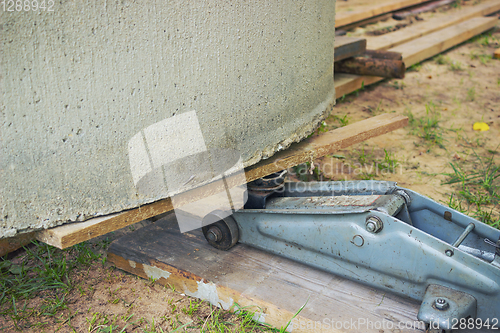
(96, 95)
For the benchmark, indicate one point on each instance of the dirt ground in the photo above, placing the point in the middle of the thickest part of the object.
(443, 96)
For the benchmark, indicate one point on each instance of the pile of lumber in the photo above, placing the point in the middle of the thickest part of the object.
(407, 46)
(417, 42)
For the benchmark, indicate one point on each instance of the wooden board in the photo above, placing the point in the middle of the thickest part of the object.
(420, 49)
(441, 21)
(439, 41)
(371, 20)
(274, 286)
(496, 54)
(345, 18)
(346, 47)
(401, 15)
(317, 146)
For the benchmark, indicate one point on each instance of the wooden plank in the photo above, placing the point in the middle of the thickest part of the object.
(371, 20)
(380, 54)
(346, 47)
(420, 9)
(385, 42)
(250, 277)
(317, 146)
(387, 68)
(11, 244)
(420, 49)
(345, 18)
(347, 83)
(326, 143)
(496, 54)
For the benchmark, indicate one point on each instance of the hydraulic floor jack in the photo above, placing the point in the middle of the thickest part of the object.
(381, 235)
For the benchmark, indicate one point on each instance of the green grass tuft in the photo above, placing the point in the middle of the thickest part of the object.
(478, 188)
(427, 127)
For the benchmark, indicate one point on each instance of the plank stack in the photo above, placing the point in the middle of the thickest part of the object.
(417, 42)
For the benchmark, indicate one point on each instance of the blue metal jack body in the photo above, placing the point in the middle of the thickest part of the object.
(384, 236)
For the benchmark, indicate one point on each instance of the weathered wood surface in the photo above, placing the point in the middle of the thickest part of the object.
(439, 41)
(346, 47)
(386, 68)
(420, 49)
(316, 146)
(348, 17)
(250, 277)
(440, 21)
(370, 20)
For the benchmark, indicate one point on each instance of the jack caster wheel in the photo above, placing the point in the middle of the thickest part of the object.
(224, 233)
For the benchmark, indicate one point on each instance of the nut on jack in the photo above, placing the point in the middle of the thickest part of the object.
(214, 234)
(373, 224)
(441, 304)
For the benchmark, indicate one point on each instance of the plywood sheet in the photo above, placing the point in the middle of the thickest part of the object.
(250, 277)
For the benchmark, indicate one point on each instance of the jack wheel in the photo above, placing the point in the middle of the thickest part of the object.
(223, 234)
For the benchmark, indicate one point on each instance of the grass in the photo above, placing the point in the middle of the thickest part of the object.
(370, 164)
(471, 94)
(305, 172)
(455, 66)
(484, 40)
(364, 157)
(42, 270)
(39, 286)
(483, 57)
(427, 127)
(441, 59)
(343, 121)
(478, 188)
(415, 67)
(389, 163)
(398, 85)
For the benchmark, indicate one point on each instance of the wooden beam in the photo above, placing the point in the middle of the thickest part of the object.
(316, 146)
(439, 41)
(420, 49)
(346, 47)
(11, 244)
(379, 54)
(401, 15)
(345, 18)
(387, 68)
(440, 21)
(371, 20)
(496, 54)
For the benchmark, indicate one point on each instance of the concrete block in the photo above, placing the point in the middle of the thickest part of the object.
(108, 105)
